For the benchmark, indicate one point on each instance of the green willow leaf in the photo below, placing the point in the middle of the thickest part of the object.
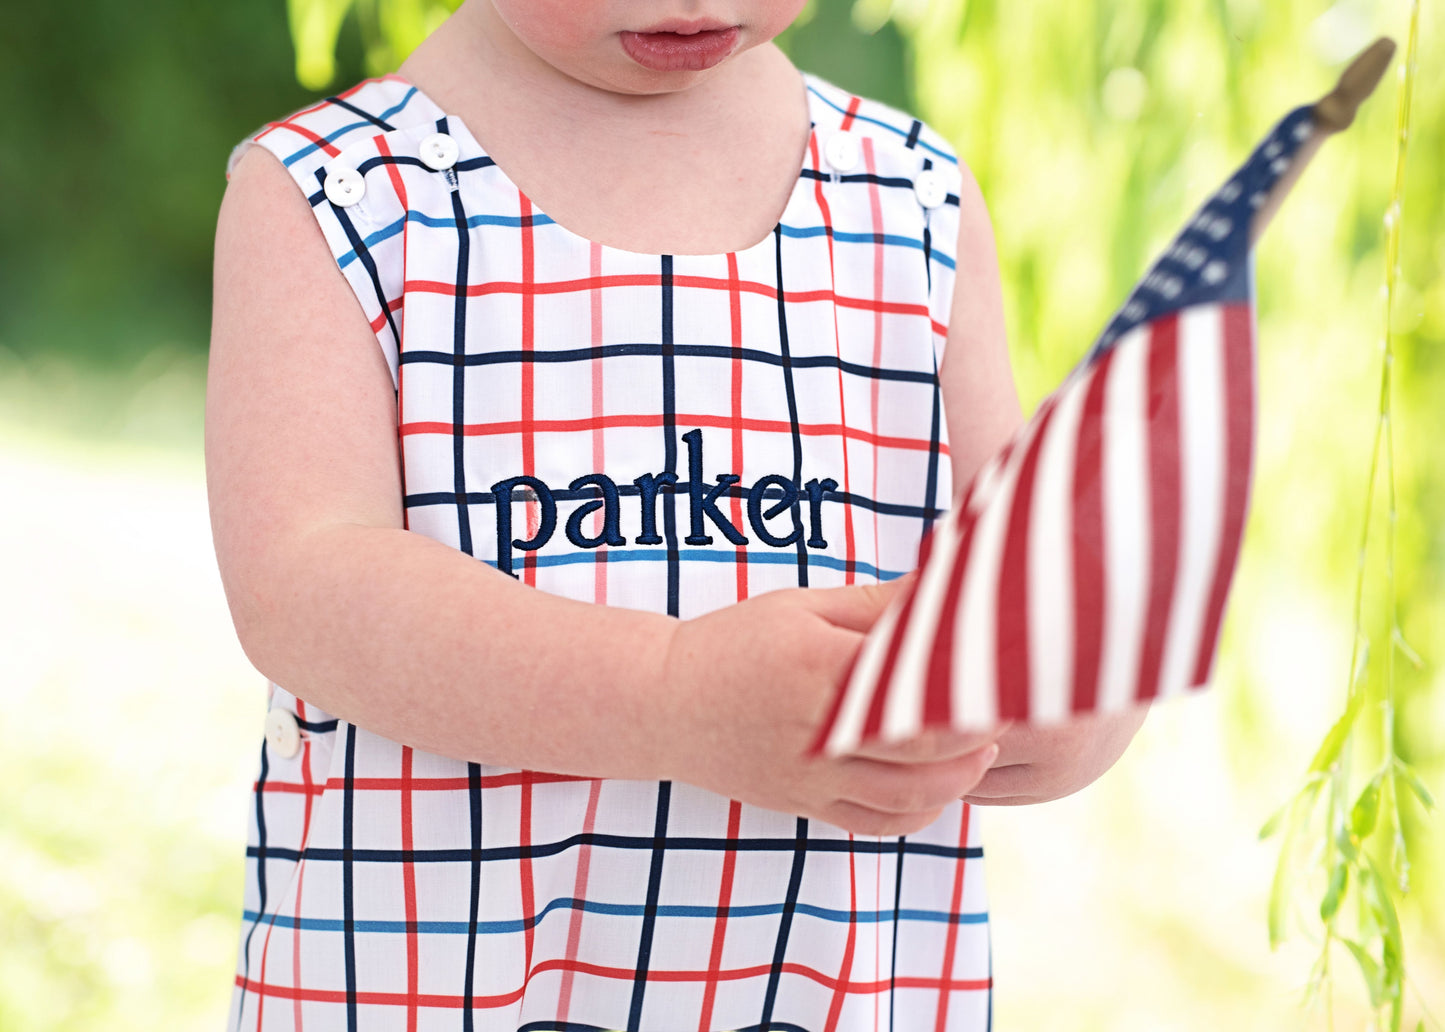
(1345, 843)
(1415, 784)
(1370, 970)
(1339, 880)
(1366, 809)
(1273, 824)
(1329, 750)
(1316, 981)
(1404, 646)
(1304, 797)
(1377, 893)
(1279, 891)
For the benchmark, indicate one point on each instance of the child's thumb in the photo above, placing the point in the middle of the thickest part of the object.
(858, 608)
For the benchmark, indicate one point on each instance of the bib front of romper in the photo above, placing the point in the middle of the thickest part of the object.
(666, 433)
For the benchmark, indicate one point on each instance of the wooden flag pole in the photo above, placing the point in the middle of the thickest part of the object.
(1333, 113)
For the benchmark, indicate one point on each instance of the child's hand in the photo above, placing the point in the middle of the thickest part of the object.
(751, 685)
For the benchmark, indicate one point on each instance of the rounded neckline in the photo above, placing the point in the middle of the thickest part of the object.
(472, 147)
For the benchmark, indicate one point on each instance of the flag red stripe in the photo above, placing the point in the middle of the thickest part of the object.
(1162, 439)
(938, 690)
(1089, 541)
(874, 723)
(1238, 361)
(1012, 628)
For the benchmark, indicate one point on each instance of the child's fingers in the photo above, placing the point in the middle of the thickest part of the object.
(901, 789)
(857, 608)
(861, 820)
(934, 744)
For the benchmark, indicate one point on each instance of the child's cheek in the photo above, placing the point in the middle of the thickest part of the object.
(560, 26)
(782, 13)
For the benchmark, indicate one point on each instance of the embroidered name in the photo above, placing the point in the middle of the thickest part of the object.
(767, 500)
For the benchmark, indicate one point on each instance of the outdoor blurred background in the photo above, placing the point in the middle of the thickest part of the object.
(130, 721)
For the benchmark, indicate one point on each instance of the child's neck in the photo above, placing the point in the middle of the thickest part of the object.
(702, 170)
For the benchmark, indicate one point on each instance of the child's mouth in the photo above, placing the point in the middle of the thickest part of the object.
(680, 51)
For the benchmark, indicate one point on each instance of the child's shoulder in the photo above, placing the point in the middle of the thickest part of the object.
(836, 109)
(306, 140)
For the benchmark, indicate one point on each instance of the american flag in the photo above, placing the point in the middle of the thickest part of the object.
(1086, 566)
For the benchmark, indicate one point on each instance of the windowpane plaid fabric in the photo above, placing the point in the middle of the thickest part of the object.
(670, 433)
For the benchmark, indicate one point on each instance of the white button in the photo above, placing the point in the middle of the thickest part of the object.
(439, 152)
(930, 189)
(282, 733)
(842, 152)
(344, 187)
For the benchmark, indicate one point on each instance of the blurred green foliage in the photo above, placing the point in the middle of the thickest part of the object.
(1093, 127)
(118, 120)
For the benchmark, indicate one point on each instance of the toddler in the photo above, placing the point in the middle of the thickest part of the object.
(668, 333)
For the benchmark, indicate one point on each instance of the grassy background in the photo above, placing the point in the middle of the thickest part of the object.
(131, 718)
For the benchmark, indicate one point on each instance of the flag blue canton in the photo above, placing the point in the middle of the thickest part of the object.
(1209, 261)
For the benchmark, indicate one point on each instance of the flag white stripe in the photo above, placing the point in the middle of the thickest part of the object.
(903, 710)
(1051, 564)
(975, 652)
(1126, 521)
(853, 713)
(1202, 442)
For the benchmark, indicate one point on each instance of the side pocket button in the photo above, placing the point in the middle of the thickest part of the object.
(282, 733)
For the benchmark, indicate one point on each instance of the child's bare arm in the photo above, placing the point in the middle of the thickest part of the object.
(417, 641)
(982, 406)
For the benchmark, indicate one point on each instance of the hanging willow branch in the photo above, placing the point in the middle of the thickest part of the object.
(390, 29)
(1355, 831)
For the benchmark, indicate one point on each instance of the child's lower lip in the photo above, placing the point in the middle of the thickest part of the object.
(676, 52)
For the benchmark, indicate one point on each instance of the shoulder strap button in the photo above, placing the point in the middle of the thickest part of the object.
(439, 152)
(929, 188)
(842, 152)
(344, 187)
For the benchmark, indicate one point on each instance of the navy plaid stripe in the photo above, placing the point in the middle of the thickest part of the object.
(587, 354)
(789, 390)
(348, 877)
(650, 909)
(785, 922)
(321, 854)
(668, 353)
(474, 800)
(259, 853)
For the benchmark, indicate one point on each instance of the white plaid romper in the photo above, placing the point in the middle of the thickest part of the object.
(669, 433)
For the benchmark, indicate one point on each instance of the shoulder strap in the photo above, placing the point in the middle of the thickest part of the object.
(326, 148)
(904, 157)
